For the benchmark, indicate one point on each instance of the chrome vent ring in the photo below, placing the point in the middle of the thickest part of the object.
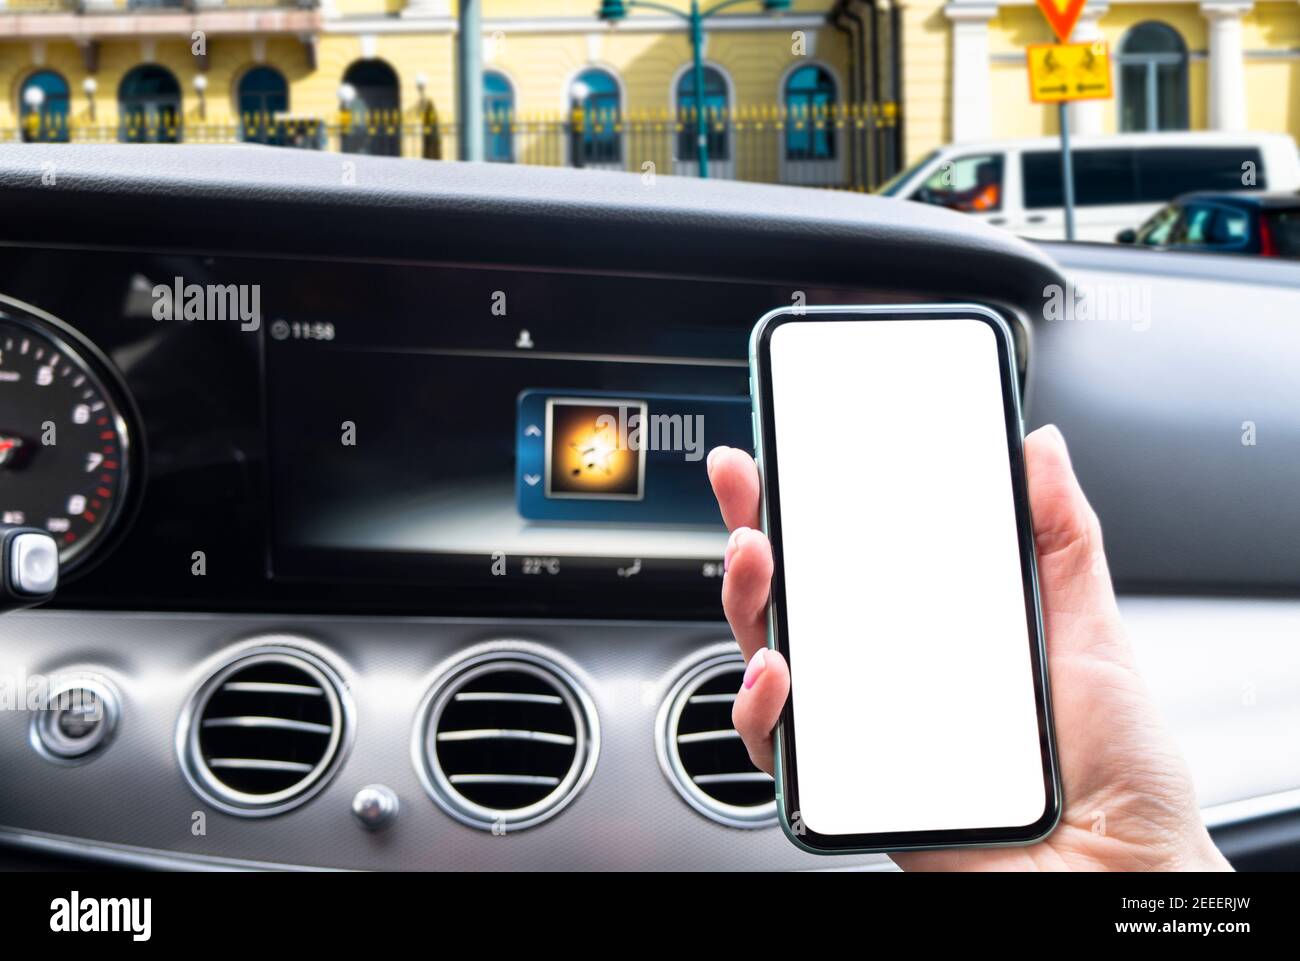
(265, 732)
(701, 753)
(505, 740)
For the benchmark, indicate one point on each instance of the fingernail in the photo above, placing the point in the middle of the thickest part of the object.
(708, 461)
(755, 667)
(1059, 438)
(733, 545)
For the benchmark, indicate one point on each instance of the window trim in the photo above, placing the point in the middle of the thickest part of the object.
(1151, 62)
(513, 89)
(21, 111)
(690, 167)
(365, 140)
(999, 157)
(832, 171)
(566, 109)
(179, 104)
(1246, 242)
(237, 95)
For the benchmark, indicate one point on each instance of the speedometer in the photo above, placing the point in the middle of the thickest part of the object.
(64, 440)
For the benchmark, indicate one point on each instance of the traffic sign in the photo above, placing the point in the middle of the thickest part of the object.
(1061, 72)
(1062, 15)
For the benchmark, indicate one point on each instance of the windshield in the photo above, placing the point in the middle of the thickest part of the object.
(894, 184)
(804, 103)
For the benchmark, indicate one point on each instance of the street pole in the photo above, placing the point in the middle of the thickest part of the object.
(612, 11)
(701, 122)
(1067, 171)
(469, 79)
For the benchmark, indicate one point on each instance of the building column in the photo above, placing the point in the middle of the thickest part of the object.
(1227, 64)
(427, 8)
(1087, 117)
(972, 84)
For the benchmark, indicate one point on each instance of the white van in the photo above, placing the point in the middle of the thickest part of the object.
(1119, 180)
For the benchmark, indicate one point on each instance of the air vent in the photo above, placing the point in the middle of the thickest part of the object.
(701, 752)
(265, 733)
(506, 740)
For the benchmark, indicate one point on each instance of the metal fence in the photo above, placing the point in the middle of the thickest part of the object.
(843, 146)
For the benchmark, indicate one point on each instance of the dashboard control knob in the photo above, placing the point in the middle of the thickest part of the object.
(29, 567)
(77, 720)
(35, 568)
(375, 806)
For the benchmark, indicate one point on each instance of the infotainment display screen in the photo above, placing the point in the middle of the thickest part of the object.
(488, 423)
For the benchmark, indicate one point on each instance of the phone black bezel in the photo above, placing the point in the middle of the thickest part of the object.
(789, 792)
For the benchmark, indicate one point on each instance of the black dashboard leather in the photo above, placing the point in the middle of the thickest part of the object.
(253, 199)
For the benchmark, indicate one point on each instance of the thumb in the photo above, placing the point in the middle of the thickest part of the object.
(1073, 576)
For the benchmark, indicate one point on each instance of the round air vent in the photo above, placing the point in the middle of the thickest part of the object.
(506, 740)
(265, 732)
(701, 752)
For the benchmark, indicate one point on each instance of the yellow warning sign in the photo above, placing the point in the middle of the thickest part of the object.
(1068, 71)
(1062, 15)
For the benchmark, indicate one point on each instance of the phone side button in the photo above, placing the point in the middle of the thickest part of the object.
(753, 427)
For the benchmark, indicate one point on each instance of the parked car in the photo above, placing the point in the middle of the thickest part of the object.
(1119, 180)
(1240, 222)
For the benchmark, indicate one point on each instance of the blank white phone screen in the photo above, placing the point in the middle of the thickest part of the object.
(912, 681)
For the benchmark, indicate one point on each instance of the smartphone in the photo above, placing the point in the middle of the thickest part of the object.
(905, 594)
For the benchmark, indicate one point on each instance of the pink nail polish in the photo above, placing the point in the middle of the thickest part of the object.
(755, 667)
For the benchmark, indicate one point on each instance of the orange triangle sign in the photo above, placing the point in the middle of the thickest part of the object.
(1062, 15)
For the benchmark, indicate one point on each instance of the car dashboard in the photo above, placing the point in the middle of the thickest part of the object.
(353, 582)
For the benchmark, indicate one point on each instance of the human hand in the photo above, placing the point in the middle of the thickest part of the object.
(1129, 799)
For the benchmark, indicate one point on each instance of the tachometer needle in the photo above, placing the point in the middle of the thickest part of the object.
(7, 446)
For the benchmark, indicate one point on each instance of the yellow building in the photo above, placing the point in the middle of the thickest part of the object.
(1214, 65)
(290, 70)
(832, 92)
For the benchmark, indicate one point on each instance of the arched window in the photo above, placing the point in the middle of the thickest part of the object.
(594, 99)
(149, 106)
(715, 113)
(809, 129)
(43, 107)
(375, 108)
(498, 114)
(262, 95)
(1152, 78)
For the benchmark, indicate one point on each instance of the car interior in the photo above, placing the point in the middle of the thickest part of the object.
(332, 595)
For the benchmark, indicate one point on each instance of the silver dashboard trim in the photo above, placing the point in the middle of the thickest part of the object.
(1233, 813)
(133, 857)
(691, 672)
(155, 659)
(525, 656)
(45, 742)
(196, 771)
(1217, 816)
